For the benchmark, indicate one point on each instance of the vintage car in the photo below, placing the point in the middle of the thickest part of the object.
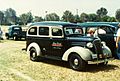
(115, 24)
(108, 37)
(15, 32)
(65, 41)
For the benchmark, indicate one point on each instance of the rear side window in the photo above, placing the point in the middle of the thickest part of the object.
(44, 31)
(56, 32)
(32, 31)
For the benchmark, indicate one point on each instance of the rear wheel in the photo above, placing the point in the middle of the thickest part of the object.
(7, 37)
(33, 54)
(76, 62)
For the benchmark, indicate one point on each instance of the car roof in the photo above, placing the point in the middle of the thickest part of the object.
(94, 25)
(101, 23)
(53, 23)
(14, 26)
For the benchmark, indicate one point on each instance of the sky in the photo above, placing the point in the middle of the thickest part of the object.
(39, 7)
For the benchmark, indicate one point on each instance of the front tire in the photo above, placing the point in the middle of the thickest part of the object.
(76, 62)
(15, 38)
(103, 63)
(33, 54)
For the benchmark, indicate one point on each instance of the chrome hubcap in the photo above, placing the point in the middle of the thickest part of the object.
(33, 55)
(76, 62)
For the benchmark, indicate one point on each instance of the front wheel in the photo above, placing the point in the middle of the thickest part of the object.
(33, 54)
(76, 62)
(103, 63)
(15, 38)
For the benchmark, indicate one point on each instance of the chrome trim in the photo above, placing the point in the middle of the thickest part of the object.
(100, 61)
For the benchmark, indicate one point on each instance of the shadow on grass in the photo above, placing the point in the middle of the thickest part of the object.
(55, 62)
(93, 68)
(22, 39)
(96, 68)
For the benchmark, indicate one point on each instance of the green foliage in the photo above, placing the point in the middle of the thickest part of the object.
(30, 17)
(10, 16)
(38, 19)
(76, 18)
(52, 17)
(108, 19)
(84, 17)
(1, 17)
(117, 14)
(26, 18)
(68, 16)
(93, 17)
(102, 12)
(112, 19)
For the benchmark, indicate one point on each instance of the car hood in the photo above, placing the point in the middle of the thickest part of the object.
(82, 39)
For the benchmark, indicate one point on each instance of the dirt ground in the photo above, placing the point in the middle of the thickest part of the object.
(15, 65)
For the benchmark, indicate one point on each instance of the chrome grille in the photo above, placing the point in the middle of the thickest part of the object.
(98, 46)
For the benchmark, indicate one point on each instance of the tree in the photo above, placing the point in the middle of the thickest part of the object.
(52, 17)
(30, 17)
(84, 17)
(117, 15)
(102, 12)
(68, 16)
(1, 17)
(76, 18)
(38, 19)
(105, 18)
(10, 16)
(93, 17)
(24, 18)
(112, 19)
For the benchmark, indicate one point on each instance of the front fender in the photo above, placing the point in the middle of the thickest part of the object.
(106, 50)
(84, 53)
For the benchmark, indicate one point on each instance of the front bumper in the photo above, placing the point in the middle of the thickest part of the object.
(97, 61)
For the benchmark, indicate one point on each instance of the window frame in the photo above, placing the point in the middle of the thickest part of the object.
(44, 27)
(32, 34)
(57, 36)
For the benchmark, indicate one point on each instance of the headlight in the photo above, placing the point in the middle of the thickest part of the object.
(103, 43)
(89, 45)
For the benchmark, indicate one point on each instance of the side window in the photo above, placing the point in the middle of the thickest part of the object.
(43, 31)
(56, 32)
(110, 30)
(32, 31)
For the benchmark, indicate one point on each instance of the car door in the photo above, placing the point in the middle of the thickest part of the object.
(57, 41)
(44, 39)
(109, 38)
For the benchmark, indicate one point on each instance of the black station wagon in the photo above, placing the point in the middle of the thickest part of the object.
(65, 41)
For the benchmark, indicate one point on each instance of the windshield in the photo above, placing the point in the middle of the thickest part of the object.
(73, 31)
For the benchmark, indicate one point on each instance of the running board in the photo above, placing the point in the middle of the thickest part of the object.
(52, 57)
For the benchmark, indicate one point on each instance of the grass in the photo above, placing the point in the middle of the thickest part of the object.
(13, 57)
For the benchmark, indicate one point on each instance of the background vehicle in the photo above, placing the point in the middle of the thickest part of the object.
(108, 37)
(61, 41)
(115, 24)
(15, 32)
